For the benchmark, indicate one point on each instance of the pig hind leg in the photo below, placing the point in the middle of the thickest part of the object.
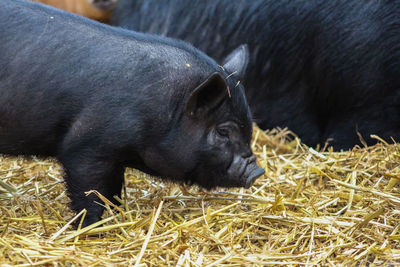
(86, 170)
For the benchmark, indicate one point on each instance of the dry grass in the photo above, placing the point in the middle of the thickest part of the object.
(311, 208)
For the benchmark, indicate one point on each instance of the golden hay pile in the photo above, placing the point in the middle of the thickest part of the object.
(311, 208)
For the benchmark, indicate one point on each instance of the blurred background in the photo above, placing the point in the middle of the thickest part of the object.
(95, 9)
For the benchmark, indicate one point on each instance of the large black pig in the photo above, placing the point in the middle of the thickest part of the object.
(101, 98)
(325, 69)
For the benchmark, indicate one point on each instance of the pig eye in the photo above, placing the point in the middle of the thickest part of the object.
(223, 132)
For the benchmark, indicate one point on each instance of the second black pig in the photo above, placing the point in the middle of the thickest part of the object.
(325, 69)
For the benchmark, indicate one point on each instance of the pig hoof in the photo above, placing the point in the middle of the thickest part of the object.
(88, 220)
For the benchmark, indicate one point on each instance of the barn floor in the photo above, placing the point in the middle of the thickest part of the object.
(310, 208)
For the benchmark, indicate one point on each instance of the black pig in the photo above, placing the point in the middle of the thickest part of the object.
(101, 98)
(325, 69)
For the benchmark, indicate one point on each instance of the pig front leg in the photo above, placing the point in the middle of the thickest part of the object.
(88, 169)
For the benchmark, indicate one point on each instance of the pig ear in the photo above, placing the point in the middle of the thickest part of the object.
(207, 96)
(236, 62)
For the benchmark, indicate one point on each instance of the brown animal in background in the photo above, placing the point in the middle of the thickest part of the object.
(95, 9)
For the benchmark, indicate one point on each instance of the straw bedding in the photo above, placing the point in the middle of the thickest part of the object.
(312, 207)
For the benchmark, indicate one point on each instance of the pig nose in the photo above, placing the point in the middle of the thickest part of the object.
(253, 176)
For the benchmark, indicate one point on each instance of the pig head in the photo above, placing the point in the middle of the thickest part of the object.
(209, 145)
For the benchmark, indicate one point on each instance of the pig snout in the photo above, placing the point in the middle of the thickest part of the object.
(245, 170)
(252, 172)
(256, 171)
